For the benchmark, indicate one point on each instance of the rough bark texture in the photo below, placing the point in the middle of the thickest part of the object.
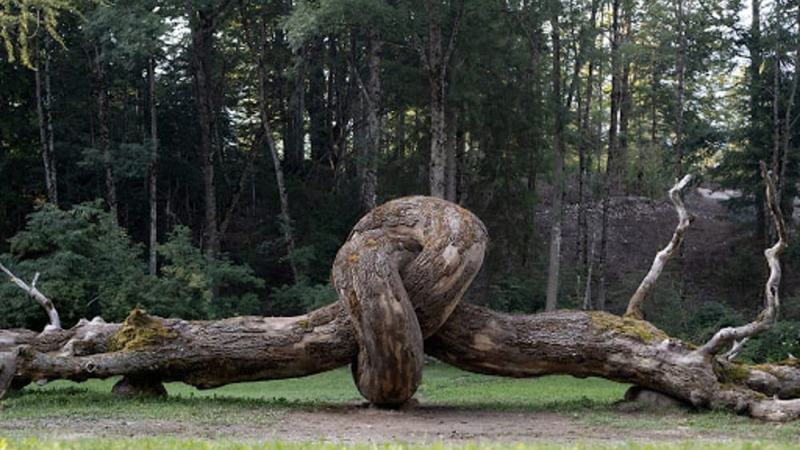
(400, 277)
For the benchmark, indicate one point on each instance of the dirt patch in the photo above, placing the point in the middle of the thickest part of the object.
(361, 424)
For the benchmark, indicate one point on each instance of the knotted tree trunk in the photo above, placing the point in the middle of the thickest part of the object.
(400, 277)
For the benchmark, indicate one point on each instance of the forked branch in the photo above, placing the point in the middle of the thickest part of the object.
(684, 220)
(765, 320)
(36, 294)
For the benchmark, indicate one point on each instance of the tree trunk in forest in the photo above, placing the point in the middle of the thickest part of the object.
(266, 129)
(294, 144)
(438, 162)
(451, 166)
(755, 47)
(399, 278)
(614, 165)
(152, 260)
(776, 118)
(318, 111)
(203, 24)
(611, 180)
(103, 128)
(44, 106)
(585, 141)
(436, 56)
(680, 87)
(370, 143)
(788, 123)
(554, 255)
(625, 102)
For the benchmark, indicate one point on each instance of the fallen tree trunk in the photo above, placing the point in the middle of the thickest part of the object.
(400, 277)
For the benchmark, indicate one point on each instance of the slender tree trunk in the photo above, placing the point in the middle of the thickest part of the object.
(438, 162)
(788, 121)
(295, 142)
(613, 168)
(263, 80)
(436, 56)
(451, 172)
(585, 141)
(554, 261)
(625, 102)
(610, 180)
(757, 144)
(104, 131)
(371, 101)
(776, 118)
(319, 117)
(153, 169)
(45, 119)
(202, 26)
(680, 87)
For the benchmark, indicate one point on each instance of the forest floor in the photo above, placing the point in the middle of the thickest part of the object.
(455, 409)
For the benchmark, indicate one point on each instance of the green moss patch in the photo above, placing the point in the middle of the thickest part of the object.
(734, 373)
(641, 330)
(138, 331)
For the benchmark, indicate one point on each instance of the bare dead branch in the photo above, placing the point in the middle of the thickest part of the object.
(36, 294)
(765, 320)
(736, 349)
(684, 220)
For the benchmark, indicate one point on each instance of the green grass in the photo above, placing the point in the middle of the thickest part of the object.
(589, 402)
(442, 385)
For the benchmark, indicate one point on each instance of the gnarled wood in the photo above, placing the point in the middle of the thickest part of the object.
(636, 302)
(400, 277)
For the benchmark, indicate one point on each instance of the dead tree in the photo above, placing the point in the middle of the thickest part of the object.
(399, 278)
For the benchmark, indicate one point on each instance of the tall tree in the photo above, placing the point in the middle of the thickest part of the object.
(153, 168)
(554, 261)
(436, 53)
(44, 110)
(204, 22)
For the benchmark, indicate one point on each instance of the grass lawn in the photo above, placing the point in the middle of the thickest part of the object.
(63, 415)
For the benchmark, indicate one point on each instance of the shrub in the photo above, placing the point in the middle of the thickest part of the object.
(775, 344)
(193, 286)
(89, 266)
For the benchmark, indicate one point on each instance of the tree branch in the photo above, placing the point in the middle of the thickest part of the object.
(36, 294)
(684, 220)
(765, 320)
